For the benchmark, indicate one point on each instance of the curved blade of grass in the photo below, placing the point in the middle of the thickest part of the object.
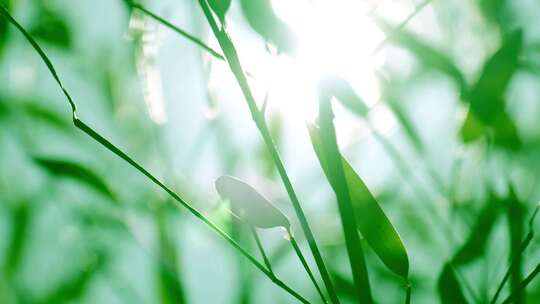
(64, 168)
(249, 205)
(522, 249)
(338, 181)
(450, 291)
(372, 222)
(258, 117)
(178, 30)
(262, 19)
(476, 242)
(107, 144)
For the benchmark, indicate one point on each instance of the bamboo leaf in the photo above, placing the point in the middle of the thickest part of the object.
(337, 179)
(249, 205)
(263, 20)
(449, 288)
(476, 242)
(486, 98)
(74, 171)
(51, 28)
(372, 222)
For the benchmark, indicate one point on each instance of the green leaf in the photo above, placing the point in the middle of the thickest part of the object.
(75, 171)
(50, 27)
(406, 123)
(449, 288)
(249, 205)
(476, 242)
(343, 92)
(263, 20)
(37, 111)
(486, 98)
(19, 234)
(220, 7)
(428, 55)
(336, 177)
(372, 222)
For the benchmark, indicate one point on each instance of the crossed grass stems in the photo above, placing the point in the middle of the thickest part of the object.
(259, 119)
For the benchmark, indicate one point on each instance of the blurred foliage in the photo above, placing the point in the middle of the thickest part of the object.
(440, 200)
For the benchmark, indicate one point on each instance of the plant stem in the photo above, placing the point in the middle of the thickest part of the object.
(261, 248)
(107, 144)
(235, 66)
(306, 266)
(519, 289)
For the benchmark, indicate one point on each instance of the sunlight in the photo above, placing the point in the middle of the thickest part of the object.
(328, 44)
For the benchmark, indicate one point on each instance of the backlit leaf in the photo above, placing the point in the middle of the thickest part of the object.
(372, 222)
(263, 20)
(249, 205)
(344, 93)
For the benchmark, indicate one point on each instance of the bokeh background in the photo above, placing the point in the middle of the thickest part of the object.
(117, 238)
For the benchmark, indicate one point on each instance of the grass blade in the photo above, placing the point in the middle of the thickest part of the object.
(337, 179)
(178, 30)
(515, 229)
(171, 288)
(64, 168)
(513, 298)
(21, 221)
(372, 222)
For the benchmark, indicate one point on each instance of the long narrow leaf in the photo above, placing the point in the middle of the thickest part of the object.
(337, 179)
(74, 171)
(450, 291)
(372, 222)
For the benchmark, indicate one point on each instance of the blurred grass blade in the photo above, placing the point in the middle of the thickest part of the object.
(170, 284)
(449, 288)
(37, 111)
(428, 55)
(337, 179)
(220, 7)
(343, 92)
(21, 217)
(523, 247)
(249, 205)
(73, 288)
(475, 244)
(4, 28)
(486, 97)
(372, 222)
(406, 123)
(107, 144)
(64, 168)
(515, 218)
(261, 17)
